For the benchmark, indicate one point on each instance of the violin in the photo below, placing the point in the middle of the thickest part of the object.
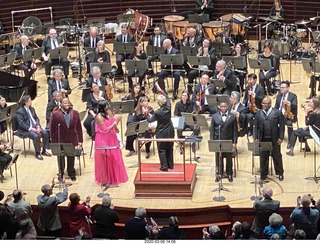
(287, 113)
(201, 95)
(108, 89)
(252, 107)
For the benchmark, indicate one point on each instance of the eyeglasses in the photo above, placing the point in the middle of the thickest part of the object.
(282, 87)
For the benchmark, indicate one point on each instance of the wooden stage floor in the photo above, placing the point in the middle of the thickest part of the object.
(32, 174)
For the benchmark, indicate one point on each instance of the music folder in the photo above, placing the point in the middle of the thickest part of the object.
(220, 146)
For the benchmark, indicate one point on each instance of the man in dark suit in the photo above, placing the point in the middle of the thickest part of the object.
(224, 127)
(191, 39)
(28, 67)
(286, 99)
(199, 95)
(166, 69)
(239, 111)
(96, 78)
(58, 84)
(264, 208)
(270, 128)
(53, 105)
(124, 37)
(205, 7)
(91, 41)
(53, 42)
(225, 75)
(65, 127)
(137, 228)
(27, 124)
(253, 92)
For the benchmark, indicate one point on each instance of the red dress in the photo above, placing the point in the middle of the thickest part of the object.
(108, 162)
(78, 220)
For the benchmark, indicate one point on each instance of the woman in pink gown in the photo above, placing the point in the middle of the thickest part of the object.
(109, 165)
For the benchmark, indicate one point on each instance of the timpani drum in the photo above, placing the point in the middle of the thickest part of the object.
(213, 27)
(181, 28)
(169, 20)
(235, 29)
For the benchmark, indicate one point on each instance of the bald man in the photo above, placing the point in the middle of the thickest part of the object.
(270, 128)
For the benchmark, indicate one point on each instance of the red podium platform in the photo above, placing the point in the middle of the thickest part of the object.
(153, 183)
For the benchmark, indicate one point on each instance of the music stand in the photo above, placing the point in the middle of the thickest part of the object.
(188, 51)
(122, 107)
(123, 47)
(136, 67)
(198, 18)
(85, 93)
(104, 67)
(316, 140)
(220, 146)
(218, 83)
(89, 53)
(236, 62)
(221, 48)
(199, 61)
(254, 63)
(154, 51)
(98, 22)
(265, 64)
(62, 150)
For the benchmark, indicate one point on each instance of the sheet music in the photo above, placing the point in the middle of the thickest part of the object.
(314, 135)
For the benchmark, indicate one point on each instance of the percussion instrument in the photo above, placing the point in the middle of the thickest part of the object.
(278, 29)
(268, 19)
(180, 28)
(110, 28)
(301, 33)
(37, 37)
(291, 29)
(302, 22)
(236, 29)
(29, 24)
(169, 20)
(213, 27)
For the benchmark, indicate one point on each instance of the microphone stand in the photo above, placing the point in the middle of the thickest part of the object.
(220, 187)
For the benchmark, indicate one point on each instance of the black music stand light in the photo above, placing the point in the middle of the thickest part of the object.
(220, 146)
(62, 150)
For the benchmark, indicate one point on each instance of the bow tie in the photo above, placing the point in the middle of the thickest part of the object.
(224, 115)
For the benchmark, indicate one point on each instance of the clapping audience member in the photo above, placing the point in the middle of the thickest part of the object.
(171, 232)
(246, 233)
(275, 227)
(137, 228)
(25, 232)
(213, 233)
(236, 231)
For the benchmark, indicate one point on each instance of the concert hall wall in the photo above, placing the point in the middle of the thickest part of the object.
(82, 10)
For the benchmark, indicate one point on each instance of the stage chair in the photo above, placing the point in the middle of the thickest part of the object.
(235, 162)
(303, 140)
(78, 153)
(257, 153)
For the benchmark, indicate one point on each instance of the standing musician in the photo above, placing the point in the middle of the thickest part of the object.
(199, 95)
(224, 127)
(53, 42)
(205, 51)
(191, 39)
(166, 70)
(270, 128)
(58, 84)
(240, 111)
(124, 37)
(205, 7)
(254, 93)
(312, 117)
(287, 103)
(225, 75)
(266, 75)
(138, 54)
(28, 67)
(101, 55)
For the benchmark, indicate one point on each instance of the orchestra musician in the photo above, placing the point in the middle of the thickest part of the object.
(58, 84)
(3, 124)
(5, 159)
(277, 13)
(191, 39)
(312, 117)
(205, 51)
(124, 37)
(96, 78)
(101, 55)
(270, 128)
(226, 75)
(28, 67)
(224, 127)
(266, 75)
(205, 7)
(314, 78)
(242, 72)
(199, 95)
(91, 41)
(52, 41)
(53, 105)
(166, 69)
(254, 94)
(287, 103)
(240, 111)
(135, 94)
(138, 54)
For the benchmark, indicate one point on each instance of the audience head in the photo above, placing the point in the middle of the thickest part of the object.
(46, 190)
(245, 230)
(106, 201)
(299, 235)
(305, 200)
(74, 198)
(173, 221)
(1, 195)
(267, 192)
(275, 237)
(140, 213)
(17, 195)
(214, 231)
(275, 219)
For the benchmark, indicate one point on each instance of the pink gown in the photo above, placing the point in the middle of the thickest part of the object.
(109, 166)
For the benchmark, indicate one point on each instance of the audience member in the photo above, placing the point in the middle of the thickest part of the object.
(299, 235)
(275, 227)
(213, 233)
(246, 233)
(171, 232)
(236, 231)
(137, 228)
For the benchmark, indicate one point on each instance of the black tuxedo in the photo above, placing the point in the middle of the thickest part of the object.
(105, 218)
(211, 89)
(270, 128)
(224, 131)
(230, 81)
(52, 87)
(151, 39)
(87, 41)
(46, 46)
(22, 127)
(25, 65)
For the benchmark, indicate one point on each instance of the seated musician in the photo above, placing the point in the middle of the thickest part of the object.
(199, 95)
(52, 42)
(91, 41)
(314, 78)
(140, 114)
(277, 13)
(138, 54)
(191, 39)
(166, 69)
(241, 73)
(101, 55)
(97, 78)
(240, 111)
(254, 94)
(266, 75)
(27, 124)
(205, 7)
(124, 37)
(58, 84)
(5, 158)
(312, 117)
(287, 102)
(54, 104)
(28, 67)
(135, 94)
(205, 51)
(185, 105)
(226, 75)
(3, 124)
(155, 40)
